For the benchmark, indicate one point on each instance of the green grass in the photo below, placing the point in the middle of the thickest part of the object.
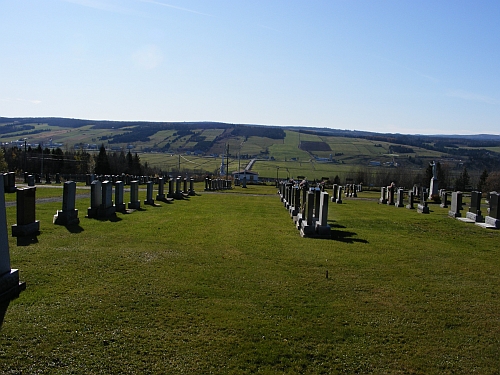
(223, 283)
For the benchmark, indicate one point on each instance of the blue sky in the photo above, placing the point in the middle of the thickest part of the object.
(421, 67)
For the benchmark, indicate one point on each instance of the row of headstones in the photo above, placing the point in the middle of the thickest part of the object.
(474, 215)
(126, 179)
(32, 179)
(218, 184)
(101, 202)
(308, 207)
(101, 206)
(387, 196)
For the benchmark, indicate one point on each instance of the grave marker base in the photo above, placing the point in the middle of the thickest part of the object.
(10, 286)
(490, 223)
(66, 218)
(422, 209)
(31, 229)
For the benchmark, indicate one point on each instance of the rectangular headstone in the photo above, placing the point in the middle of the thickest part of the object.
(68, 215)
(456, 204)
(399, 201)
(119, 196)
(134, 203)
(4, 240)
(26, 224)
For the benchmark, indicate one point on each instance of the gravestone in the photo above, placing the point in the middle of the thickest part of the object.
(68, 215)
(149, 194)
(411, 200)
(178, 192)
(119, 197)
(26, 225)
(95, 199)
(433, 189)
(390, 195)
(493, 219)
(134, 203)
(323, 230)
(9, 182)
(191, 187)
(422, 207)
(88, 180)
(10, 287)
(383, 195)
(334, 193)
(444, 199)
(399, 200)
(107, 209)
(317, 199)
(339, 196)
(171, 193)
(474, 213)
(456, 204)
(161, 187)
(296, 203)
(307, 227)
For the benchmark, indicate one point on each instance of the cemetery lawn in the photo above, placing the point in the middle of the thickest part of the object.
(223, 283)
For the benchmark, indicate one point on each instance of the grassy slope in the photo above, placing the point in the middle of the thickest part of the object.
(224, 283)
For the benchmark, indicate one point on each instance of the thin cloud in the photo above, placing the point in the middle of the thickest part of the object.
(466, 95)
(175, 7)
(13, 100)
(103, 5)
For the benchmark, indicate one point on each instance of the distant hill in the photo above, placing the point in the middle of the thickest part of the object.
(257, 141)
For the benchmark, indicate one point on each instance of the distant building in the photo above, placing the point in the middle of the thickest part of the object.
(250, 176)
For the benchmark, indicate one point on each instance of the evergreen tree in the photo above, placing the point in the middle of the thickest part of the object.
(462, 181)
(482, 180)
(130, 163)
(3, 164)
(136, 165)
(102, 162)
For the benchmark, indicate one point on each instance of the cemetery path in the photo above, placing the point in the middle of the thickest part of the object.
(48, 200)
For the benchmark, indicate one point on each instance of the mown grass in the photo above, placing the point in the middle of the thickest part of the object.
(223, 283)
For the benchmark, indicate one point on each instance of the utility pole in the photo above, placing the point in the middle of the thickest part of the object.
(41, 169)
(25, 156)
(227, 160)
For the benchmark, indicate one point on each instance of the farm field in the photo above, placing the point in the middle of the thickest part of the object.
(223, 283)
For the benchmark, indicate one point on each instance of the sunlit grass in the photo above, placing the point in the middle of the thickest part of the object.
(223, 283)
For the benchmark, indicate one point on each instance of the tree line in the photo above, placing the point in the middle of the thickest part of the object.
(38, 160)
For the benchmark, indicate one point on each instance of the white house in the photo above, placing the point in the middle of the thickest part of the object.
(250, 176)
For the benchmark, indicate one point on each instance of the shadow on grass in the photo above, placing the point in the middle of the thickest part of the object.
(333, 224)
(74, 228)
(3, 310)
(345, 236)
